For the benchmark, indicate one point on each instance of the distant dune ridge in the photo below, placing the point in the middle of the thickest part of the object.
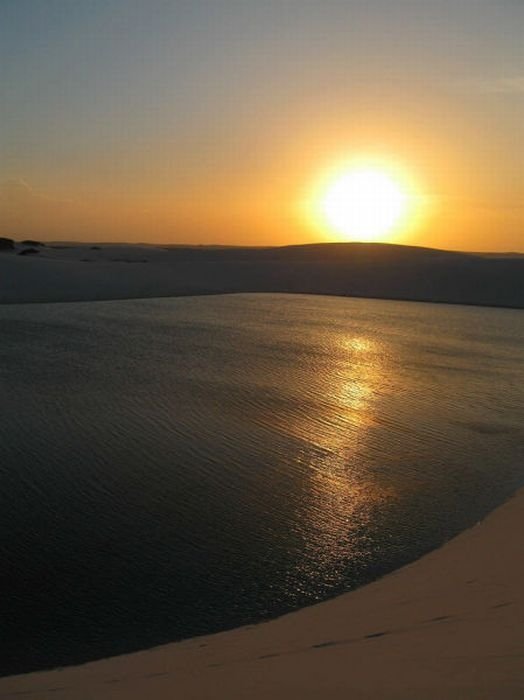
(82, 272)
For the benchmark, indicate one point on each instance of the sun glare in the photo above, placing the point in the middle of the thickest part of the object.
(364, 202)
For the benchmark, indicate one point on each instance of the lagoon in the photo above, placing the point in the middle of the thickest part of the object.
(174, 467)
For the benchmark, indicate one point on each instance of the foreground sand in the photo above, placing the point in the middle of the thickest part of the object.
(451, 625)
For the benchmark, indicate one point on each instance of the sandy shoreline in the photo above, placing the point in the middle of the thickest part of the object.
(447, 626)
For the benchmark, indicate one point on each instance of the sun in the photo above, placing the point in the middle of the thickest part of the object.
(364, 204)
(364, 198)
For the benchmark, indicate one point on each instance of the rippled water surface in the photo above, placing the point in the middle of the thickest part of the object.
(175, 467)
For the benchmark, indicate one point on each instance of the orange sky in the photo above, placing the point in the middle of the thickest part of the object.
(213, 123)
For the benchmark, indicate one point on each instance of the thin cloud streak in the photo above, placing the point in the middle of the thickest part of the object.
(509, 85)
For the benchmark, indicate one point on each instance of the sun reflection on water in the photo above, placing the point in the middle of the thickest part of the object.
(339, 495)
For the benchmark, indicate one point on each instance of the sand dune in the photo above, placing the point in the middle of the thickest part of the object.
(72, 272)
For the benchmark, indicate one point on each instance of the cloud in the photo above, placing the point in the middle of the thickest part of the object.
(510, 85)
(24, 211)
(15, 192)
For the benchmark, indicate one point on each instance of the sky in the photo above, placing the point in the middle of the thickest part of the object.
(217, 121)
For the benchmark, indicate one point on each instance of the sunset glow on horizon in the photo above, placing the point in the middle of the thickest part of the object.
(367, 200)
(364, 204)
(219, 122)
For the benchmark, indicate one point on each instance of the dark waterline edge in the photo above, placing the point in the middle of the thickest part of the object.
(509, 497)
(236, 292)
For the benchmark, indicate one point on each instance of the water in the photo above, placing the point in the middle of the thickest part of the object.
(175, 467)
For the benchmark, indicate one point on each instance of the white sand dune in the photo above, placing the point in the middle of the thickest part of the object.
(449, 626)
(74, 272)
